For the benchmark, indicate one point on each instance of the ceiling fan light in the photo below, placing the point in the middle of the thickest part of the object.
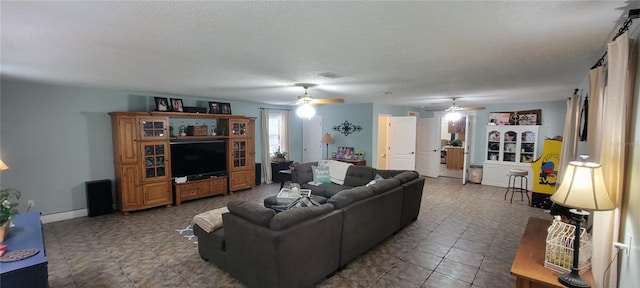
(453, 116)
(306, 111)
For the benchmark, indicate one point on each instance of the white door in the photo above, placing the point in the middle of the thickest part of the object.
(311, 135)
(383, 143)
(402, 143)
(469, 143)
(427, 148)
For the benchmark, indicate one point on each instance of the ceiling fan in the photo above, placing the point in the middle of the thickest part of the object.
(453, 112)
(308, 99)
(306, 110)
(454, 107)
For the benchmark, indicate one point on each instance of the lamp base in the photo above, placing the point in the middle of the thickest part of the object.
(573, 280)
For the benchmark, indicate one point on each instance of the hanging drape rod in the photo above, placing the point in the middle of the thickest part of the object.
(262, 108)
(635, 13)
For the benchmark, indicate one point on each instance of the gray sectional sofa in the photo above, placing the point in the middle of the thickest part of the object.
(301, 246)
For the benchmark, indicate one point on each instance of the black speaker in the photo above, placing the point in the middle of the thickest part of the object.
(99, 200)
(258, 174)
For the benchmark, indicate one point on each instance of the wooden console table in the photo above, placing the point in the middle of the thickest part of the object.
(352, 161)
(528, 266)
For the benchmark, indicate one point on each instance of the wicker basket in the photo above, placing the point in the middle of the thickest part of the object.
(559, 248)
(197, 130)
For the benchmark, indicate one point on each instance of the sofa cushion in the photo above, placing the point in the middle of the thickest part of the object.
(296, 215)
(406, 176)
(302, 172)
(346, 197)
(359, 175)
(384, 185)
(252, 212)
(389, 173)
(321, 175)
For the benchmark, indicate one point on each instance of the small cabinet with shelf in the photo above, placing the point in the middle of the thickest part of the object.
(509, 147)
(200, 188)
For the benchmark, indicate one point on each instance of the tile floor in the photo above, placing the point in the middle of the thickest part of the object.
(465, 236)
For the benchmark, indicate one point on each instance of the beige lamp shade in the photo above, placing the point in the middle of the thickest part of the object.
(583, 188)
(326, 139)
(3, 166)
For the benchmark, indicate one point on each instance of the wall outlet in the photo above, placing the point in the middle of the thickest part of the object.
(31, 203)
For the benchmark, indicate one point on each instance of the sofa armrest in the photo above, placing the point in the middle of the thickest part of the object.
(297, 256)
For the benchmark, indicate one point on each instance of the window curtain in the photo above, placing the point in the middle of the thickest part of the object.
(570, 135)
(284, 131)
(611, 148)
(266, 155)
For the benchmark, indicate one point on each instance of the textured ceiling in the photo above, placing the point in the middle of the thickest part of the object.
(424, 53)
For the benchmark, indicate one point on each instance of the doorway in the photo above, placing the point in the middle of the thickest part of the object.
(456, 144)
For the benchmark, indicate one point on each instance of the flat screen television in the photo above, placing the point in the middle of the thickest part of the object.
(198, 159)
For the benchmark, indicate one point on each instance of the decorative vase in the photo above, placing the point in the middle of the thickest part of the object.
(4, 230)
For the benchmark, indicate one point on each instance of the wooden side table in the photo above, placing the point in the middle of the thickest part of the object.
(352, 161)
(528, 266)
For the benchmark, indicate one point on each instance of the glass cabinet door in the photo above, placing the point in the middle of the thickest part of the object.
(510, 145)
(239, 154)
(155, 160)
(493, 146)
(153, 128)
(527, 146)
(238, 128)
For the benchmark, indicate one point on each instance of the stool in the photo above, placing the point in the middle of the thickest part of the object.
(514, 175)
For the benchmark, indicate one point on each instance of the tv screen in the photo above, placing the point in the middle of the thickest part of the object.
(201, 158)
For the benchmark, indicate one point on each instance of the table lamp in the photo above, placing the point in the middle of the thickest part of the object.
(581, 188)
(3, 166)
(326, 139)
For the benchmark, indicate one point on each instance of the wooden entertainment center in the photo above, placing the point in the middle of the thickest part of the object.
(142, 160)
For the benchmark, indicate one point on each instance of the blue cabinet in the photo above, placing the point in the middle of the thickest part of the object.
(28, 272)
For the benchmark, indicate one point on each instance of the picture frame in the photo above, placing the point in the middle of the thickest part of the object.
(162, 103)
(225, 108)
(176, 105)
(214, 108)
(345, 153)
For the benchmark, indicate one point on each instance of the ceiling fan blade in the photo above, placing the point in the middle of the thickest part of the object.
(472, 108)
(328, 101)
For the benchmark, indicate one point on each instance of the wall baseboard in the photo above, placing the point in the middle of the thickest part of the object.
(64, 216)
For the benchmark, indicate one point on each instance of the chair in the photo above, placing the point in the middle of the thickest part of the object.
(521, 176)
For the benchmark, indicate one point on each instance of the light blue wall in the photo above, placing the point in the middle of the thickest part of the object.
(55, 138)
(356, 114)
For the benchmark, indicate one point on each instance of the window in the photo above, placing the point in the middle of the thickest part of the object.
(276, 132)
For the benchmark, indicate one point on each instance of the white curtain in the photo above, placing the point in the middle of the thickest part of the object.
(284, 131)
(570, 135)
(615, 116)
(266, 155)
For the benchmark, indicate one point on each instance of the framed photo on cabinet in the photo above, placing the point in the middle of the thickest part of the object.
(214, 108)
(162, 103)
(176, 105)
(225, 108)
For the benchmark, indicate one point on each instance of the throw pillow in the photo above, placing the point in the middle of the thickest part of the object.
(321, 175)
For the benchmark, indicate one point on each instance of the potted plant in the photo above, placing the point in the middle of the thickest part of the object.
(7, 209)
(456, 143)
(279, 156)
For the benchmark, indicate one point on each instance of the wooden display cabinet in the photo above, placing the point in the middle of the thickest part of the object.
(241, 149)
(142, 158)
